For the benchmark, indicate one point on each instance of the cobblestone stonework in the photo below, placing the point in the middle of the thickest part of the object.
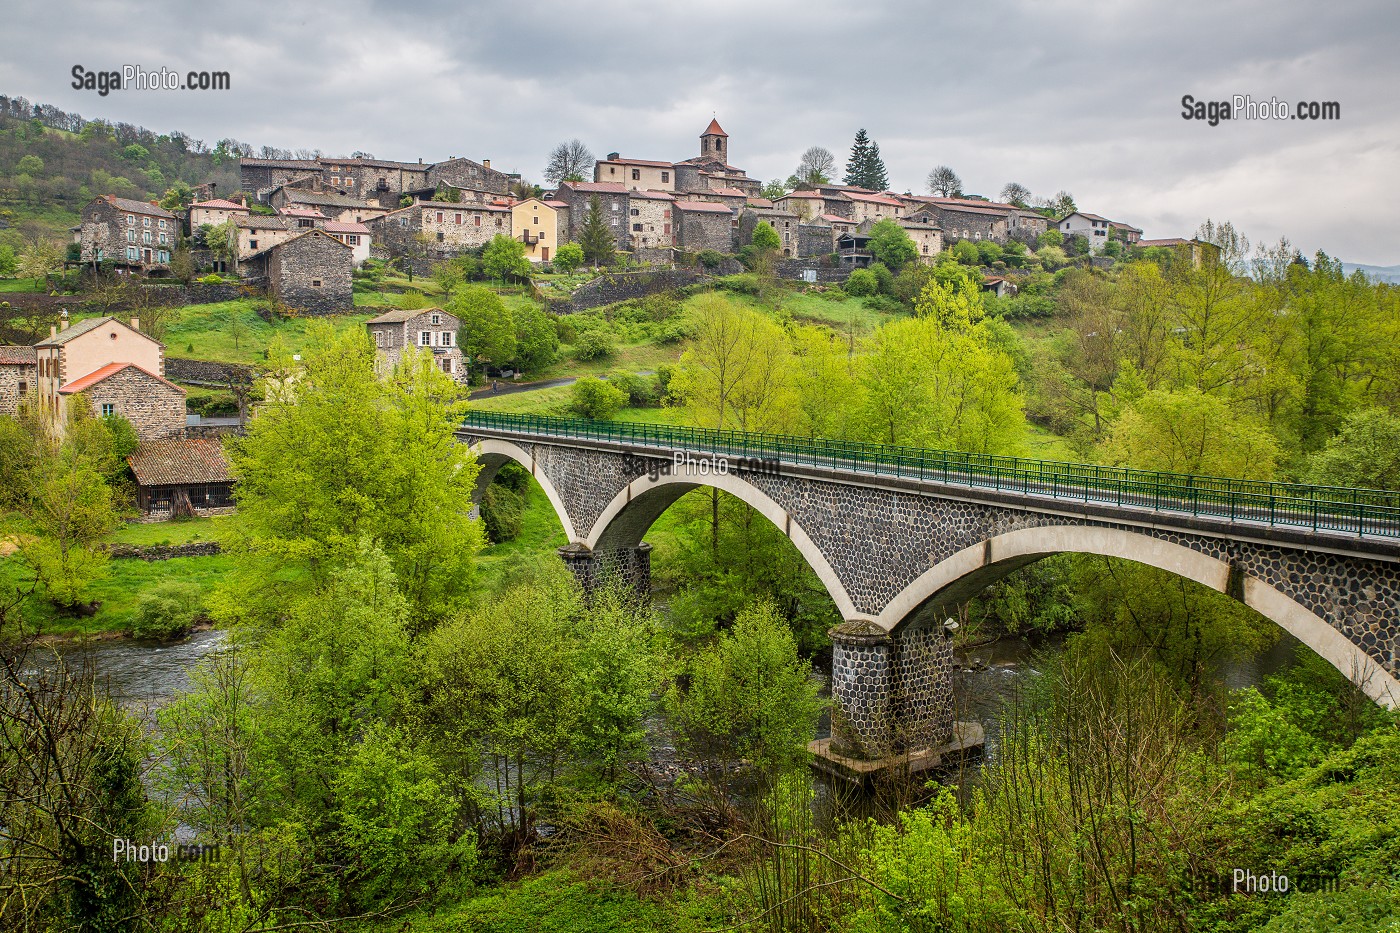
(878, 540)
(155, 408)
(893, 692)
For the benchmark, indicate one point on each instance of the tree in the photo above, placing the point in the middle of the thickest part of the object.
(775, 189)
(568, 257)
(750, 696)
(222, 240)
(72, 509)
(177, 197)
(861, 283)
(865, 168)
(9, 265)
(816, 166)
(595, 237)
(570, 161)
(944, 182)
(1015, 193)
(593, 398)
(337, 454)
(504, 259)
(765, 238)
(1233, 245)
(29, 165)
(38, 258)
(536, 338)
(182, 265)
(1061, 205)
(1188, 431)
(488, 330)
(1365, 453)
(891, 245)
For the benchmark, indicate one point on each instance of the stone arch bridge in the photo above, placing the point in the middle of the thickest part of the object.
(899, 536)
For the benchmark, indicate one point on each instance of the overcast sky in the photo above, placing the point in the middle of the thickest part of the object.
(1079, 95)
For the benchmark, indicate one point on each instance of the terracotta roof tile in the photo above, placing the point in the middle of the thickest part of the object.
(219, 204)
(711, 207)
(18, 356)
(180, 462)
(106, 372)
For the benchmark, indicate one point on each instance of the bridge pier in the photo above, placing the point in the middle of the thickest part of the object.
(893, 702)
(628, 566)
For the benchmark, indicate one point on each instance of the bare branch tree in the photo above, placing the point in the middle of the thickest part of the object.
(943, 181)
(816, 166)
(1016, 193)
(568, 161)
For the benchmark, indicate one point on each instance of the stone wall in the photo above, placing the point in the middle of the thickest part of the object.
(155, 552)
(623, 286)
(796, 269)
(207, 372)
(11, 380)
(893, 692)
(154, 408)
(701, 230)
(295, 268)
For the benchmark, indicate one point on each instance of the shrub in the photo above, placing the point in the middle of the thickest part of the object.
(884, 304)
(862, 283)
(502, 512)
(742, 284)
(640, 390)
(709, 258)
(596, 343)
(167, 611)
(593, 398)
(884, 278)
(211, 279)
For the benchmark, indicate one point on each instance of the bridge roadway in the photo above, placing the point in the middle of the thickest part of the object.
(900, 536)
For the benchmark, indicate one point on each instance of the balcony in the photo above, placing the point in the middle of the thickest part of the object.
(529, 239)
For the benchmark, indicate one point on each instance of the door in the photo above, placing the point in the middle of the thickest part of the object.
(544, 253)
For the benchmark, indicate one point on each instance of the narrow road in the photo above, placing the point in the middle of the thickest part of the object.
(507, 387)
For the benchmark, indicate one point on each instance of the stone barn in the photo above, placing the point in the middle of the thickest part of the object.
(179, 477)
(310, 272)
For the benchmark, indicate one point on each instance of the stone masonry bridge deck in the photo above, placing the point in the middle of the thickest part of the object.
(899, 536)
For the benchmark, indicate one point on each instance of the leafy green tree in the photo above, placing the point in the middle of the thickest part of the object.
(967, 253)
(337, 454)
(29, 165)
(135, 153)
(1188, 431)
(775, 189)
(750, 696)
(614, 672)
(765, 238)
(536, 338)
(597, 341)
(862, 283)
(954, 299)
(177, 197)
(9, 264)
(1365, 453)
(504, 259)
(593, 398)
(488, 329)
(72, 509)
(569, 257)
(38, 258)
(891, 245)
(595, 237)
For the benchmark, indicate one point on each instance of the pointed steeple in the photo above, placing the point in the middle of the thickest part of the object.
(714, 142)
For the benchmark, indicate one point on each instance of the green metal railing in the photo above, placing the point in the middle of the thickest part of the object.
(1293, 505)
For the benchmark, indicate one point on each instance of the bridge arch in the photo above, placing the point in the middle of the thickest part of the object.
(493, 453)
(631, 512)
(970, 570)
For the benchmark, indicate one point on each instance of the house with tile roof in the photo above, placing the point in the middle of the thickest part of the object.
(179, 476)
(310, 272)
(257, 232)
(542, 225)
(18, 371)
(355, 236)
(612, 199)
(1090, 226)
(212, 213)
(637, 174)
(702, 225)
(431, 330)
(138, 236)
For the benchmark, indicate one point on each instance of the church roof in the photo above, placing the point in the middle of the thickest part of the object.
(714, 129)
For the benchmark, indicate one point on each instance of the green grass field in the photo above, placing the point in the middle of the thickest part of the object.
(232, 332)
(183, 531)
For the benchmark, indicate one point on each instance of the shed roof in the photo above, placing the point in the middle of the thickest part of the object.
(180, 462)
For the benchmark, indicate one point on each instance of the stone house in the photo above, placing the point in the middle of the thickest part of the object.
(805, 204)
(356, 236)
(702, 225)
(259, 177)
(181, 476)
(154, 405)
(466, 175)
(258, 231)
(332, 204)
(1021, 223)
(71, 352)
(961, 222)
(310, 272)
(649, 220)
(816, 239)
(431, 330)
(18, 377)
(213, 213)
(873, 207)
(636, 174)
(462, 226)
(542, 226)
(927, 237)
(1126, 232)
(784, 223)
(302, 218)
(380, 180)
(137, 235)
(1090, 226)
(612, 198)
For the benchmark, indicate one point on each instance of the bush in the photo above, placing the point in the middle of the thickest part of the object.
(502, 512)
(593, 398)
(640, 390)
(862, 283)
(884, 278)
(709, 258)
(745, 283)
(167, 611)
(595, 343)
(211, 279)
(884, 304)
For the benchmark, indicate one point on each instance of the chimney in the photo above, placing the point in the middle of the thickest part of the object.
(53, 331)
(614, 156)
(420, 160)
(485, 163)
(136, 323)
(213, 190)
(63, 320)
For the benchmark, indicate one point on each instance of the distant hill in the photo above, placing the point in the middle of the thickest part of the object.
(52, 163)
(1379, 273)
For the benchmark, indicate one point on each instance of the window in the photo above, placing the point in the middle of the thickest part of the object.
(666, 229)
(636, 228)
(162, 239)
(614, 221)
(108, 409)
(457, 218)
(636, 212)
(349, 182)
(315, 283)
(477, 218)
(252, 244)
(439, 216)
(498, 221)
(130, 220)
(163, 256)
(146, 237)
(23, 388)
(131, 236)
(131, 252)
(446, 364)
(379, 338)
(145, 221)
(537, 221)
(437, 318)
(447, 338)
(162, 225)
(335, 180)
(352, 239)
(616, 206)
(425, 338)
(665, 176)
(636, 174)
(440, 237)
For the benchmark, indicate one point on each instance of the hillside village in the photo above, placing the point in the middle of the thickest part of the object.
(299, 231)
